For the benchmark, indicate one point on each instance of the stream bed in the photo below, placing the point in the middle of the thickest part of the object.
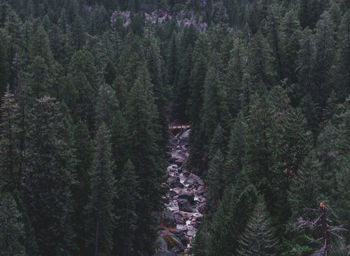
(186, 199)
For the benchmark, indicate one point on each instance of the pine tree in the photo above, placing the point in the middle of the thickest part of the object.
(48, 179)
(195, 101)
(342, 74)
(258, 238)
(260, 74)
(160, 88)
(126, 207)
(143, 135)
(215, 178)
(10, 144)
(217, 142)
(106, 105)
(234, 157)
(120, 142)
(290, 44)
(77, 33)
(11, 227)
(100, 209)
(215, 110)
(4, 65)
(272, 27)
(234, 75)
(305, 193)
(83, 149)
(324, 58)
(230, 219)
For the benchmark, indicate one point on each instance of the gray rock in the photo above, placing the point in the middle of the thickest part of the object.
(165, 253)
(184, 205)
(181, 235)
(174, 182)
(189, 196)
(161, 244)
(168, 218)
(179, 218)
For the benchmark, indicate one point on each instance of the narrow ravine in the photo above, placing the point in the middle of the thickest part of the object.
(186, 200)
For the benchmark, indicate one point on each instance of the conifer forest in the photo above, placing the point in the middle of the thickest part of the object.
(175, 128)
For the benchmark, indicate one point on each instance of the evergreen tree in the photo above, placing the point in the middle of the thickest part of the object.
(342, 73)
(231, 217)
(290, 44)
(143, 150)
(128, 196)
(106, 105)
(258, 238)
(305, 193)
(324, 58)
(83, 149)
(120, 142)
(48, 179)
(235, 154)
(215, 179)
(10, 144)
(215, 110)
(4, 65)
(260, 74)
(234, 75)
(195, 101)
(101, 214)
(11, 227)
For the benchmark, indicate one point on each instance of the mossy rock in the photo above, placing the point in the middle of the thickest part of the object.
(171, 242)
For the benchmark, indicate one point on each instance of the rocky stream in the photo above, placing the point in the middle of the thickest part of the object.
(185, 200)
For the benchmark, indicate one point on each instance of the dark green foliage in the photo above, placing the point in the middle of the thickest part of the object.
(106, 105)
(126, 208)
(230, 219)
(143, 150)
(264, 85)
(215, 178)
(9, 143)
(100, 209)
(260, 73)
(235, 153)
(48, 179)
(11, 227)
(83, 149)
(258, 238)
(4, 65)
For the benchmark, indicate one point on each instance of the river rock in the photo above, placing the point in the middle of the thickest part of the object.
(179, 218)
(165, 253)
(201, 208)
(174, 182)
(161, 244)
(188, 195)
(169, 218)
(181, 236)
(184, 205)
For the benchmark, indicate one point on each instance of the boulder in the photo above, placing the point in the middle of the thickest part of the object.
(188, 195)
(201, 208)
(172, 193)
(200, 190)
(161, 244)
(174, 182)
(179, 218)
(168, 218)
(184, 137)
(181, 235)
(184, 205)
(174, 244)
(165, 253)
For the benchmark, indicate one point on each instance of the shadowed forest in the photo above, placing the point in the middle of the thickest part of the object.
(174, 127)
